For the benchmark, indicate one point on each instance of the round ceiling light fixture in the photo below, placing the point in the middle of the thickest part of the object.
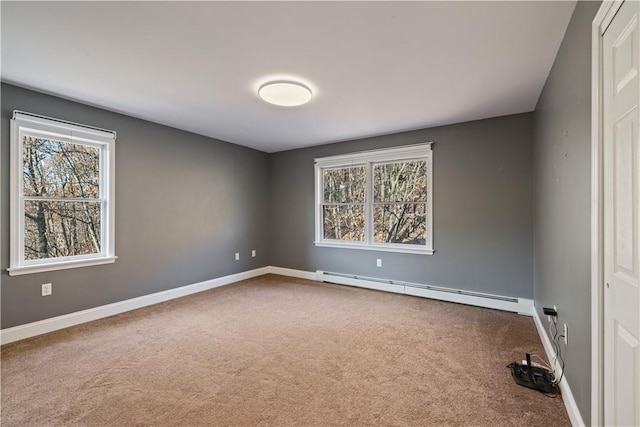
(285, 93)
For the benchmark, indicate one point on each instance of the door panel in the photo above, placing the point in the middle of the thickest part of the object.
(621, 120)
(625, 131)
(626, 391)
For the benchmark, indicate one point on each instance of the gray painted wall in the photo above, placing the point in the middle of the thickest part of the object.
(184, 205)
(483, 225)
(562, 265)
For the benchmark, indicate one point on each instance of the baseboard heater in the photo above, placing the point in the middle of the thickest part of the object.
(499, 302)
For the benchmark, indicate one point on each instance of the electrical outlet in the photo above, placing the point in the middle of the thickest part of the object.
(378, 262)
(566, 334)
(253, 253)
(47, 289)
(237, 256)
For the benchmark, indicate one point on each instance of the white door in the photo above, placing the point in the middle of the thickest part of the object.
(621, 91)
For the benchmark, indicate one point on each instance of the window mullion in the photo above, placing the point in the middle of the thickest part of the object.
(368, 199)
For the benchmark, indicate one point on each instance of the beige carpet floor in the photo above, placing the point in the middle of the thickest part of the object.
(279, 351)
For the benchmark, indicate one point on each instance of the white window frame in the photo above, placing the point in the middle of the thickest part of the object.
(31, 124)
(368, 159)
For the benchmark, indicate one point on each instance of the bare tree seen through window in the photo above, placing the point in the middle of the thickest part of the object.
(400, 202)
(61, 192)
(343, 207)
(399, 208)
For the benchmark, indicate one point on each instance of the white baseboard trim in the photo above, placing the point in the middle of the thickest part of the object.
(349, 281)
(523, 306)
(60, 322)
(567, 396)
(300, 274)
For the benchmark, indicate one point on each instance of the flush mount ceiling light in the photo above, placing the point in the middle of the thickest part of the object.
(285, 93)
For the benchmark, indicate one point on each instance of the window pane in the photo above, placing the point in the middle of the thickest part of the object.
(400, 223)
(344, 222)
(400, 182)
(58, 229)
(53, 168)
(344, 185)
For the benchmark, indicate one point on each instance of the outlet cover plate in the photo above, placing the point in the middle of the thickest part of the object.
(46, 289)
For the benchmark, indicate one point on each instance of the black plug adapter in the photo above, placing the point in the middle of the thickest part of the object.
(549, 311)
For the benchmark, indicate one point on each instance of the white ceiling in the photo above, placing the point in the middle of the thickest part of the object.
(375, 67)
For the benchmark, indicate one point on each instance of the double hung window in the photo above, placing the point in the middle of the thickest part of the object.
(62, 195)
(378, 200)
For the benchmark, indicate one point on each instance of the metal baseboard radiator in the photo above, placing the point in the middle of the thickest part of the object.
(519, 305)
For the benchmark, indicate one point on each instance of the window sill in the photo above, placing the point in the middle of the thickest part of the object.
(62, 265)
(379, 248)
